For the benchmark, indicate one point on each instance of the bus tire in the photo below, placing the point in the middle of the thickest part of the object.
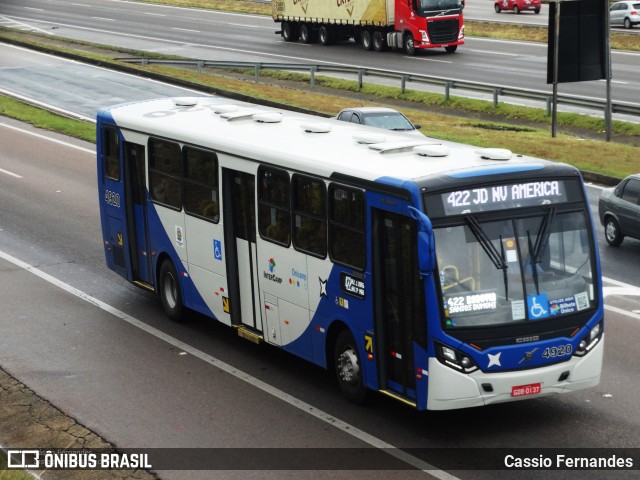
(348, 368)
(170, 291)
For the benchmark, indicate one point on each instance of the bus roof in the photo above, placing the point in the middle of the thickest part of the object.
(308, 143)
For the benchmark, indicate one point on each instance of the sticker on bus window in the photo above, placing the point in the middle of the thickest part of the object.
(518, 310)
(563, 305)
(538, 306)
(582, 301)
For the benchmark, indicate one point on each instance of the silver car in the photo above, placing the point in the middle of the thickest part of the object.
(380, 117)
(619, 210)
(625, 13)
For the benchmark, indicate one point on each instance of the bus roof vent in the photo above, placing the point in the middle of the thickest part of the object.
(396, 147)
(316, 127)
(268, 117)
(239, 115)
(185, 101)
(432, 150)
(227, 108)
(369, 138)
(501, 154)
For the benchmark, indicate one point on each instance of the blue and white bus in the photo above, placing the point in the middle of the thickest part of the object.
(439, 274)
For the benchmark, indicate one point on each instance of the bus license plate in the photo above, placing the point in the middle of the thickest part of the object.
(524, 390)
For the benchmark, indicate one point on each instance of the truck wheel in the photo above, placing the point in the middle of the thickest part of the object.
(537, 11)
(290, 32)
(497, 8)
(451, 48)
(409, 44)
(367, 41)
(379, 41)
(307, 35)
(170, 292)
(326, 35)
(612, 232)
(349, 368)
(516, 10)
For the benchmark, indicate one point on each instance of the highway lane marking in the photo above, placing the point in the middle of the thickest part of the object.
(155, 14)
(185, 30)
(104, 18)
(10, 173)
(54, 140)
(26, 25)
(506, 54)
(622, 312)
(427, 59)
(34, 9)
(237, 373)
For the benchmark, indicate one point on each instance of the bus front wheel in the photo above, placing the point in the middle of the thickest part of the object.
(170, 292)
(349, 368)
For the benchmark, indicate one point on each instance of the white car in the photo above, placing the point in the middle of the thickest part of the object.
(380, 117)
(625, 13)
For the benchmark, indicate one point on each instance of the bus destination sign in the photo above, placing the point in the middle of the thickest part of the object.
(500, 197)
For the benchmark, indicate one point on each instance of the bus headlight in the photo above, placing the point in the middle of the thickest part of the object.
(589, 341)
(455, 359)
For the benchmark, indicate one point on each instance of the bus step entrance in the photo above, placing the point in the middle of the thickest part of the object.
(400, 398)
(145, 285)
(247, 334)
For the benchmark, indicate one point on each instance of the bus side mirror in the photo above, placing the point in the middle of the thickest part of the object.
(426, 242)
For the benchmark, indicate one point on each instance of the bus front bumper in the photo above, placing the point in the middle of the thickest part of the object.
(449, 389)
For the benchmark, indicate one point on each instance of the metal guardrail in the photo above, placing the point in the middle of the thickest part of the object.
(496, 91)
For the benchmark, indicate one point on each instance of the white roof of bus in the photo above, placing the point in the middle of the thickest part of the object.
(289, 143)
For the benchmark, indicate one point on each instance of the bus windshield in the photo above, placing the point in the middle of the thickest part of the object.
(499, 271)
(430, 6)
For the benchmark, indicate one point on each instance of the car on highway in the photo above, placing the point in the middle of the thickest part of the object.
(619, 210)
(380, 117)
(626, 14)
(518, 5)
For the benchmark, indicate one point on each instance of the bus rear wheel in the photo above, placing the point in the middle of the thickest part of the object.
(349, 368)
(170, 292)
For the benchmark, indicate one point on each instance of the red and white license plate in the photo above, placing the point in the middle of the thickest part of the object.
(524, 390)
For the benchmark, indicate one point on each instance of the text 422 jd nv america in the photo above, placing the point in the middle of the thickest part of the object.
(409, 25)
(439, 274)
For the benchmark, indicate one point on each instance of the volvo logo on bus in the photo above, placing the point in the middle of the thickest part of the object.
(533, 338)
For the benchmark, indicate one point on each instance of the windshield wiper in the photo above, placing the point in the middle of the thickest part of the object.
(532, 263)
(543, 236)
(497, 258)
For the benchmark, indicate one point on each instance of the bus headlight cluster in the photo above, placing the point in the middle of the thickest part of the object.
(589, 341)
(455, 359)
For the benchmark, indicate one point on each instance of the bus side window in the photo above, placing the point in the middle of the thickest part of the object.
(164, 173)
(310, 218)
(111, 151)
(347, 239)
(201, 184)
(274, 217)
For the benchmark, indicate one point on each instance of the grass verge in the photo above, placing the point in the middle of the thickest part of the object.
(11, 474)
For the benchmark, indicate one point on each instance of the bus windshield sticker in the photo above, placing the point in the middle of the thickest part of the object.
(517, 310)
(352, 285)
(582, 301)
(538, 306)
(472, 303)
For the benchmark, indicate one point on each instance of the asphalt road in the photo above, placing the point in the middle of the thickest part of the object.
(223, 36)
(119, 367)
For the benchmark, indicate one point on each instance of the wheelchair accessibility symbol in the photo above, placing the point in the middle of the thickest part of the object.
(217, 250)
(538, 306)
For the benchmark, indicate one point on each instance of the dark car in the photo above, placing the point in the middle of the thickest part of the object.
(619, 209)
(380, 117)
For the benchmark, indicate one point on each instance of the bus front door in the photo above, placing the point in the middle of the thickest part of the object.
(240, 240)
(136, 205)
(399, 302)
